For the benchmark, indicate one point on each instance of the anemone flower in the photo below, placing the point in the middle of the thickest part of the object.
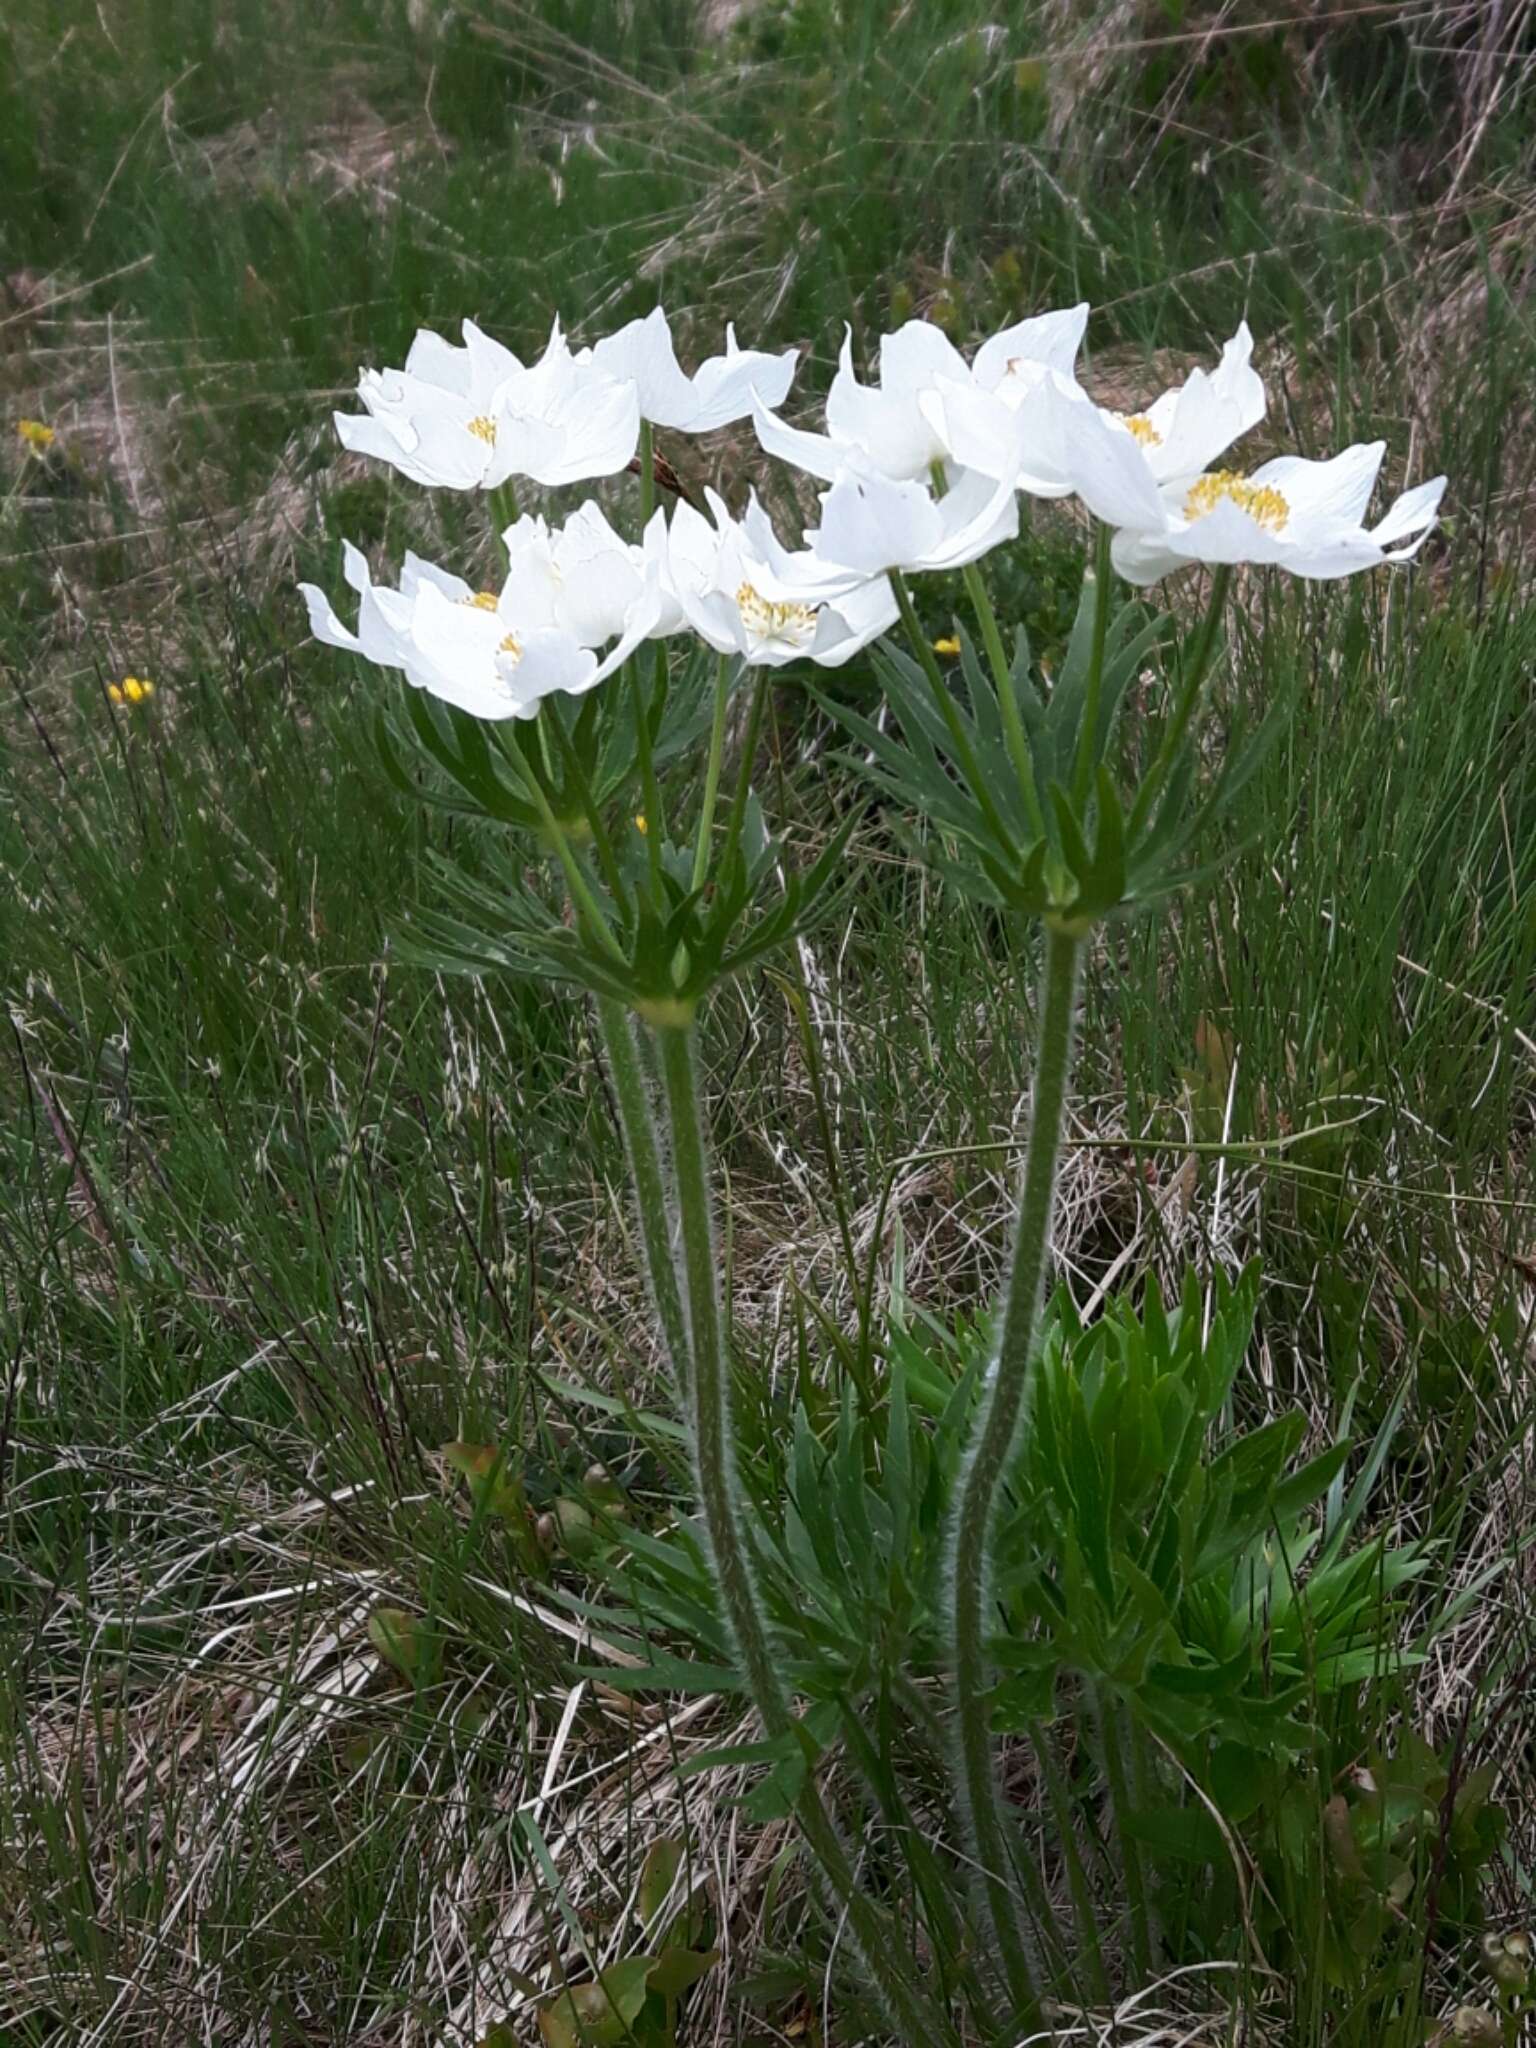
(497, 654)
(745, 594)
(1303, 516)
(884, 428)
(471, 418)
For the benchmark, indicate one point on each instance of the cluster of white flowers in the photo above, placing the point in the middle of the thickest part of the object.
(922, 471)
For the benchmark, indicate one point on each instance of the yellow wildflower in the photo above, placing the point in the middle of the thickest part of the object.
(131, 690)
(948, 645)
(37, 437)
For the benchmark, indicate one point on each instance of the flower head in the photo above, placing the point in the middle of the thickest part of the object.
(721, 390)
(497, 653)
(1299, 515)
(1050, 434)
(470, 418)
(131, 690)
(35, 436)
(886, 428)
(746, 594)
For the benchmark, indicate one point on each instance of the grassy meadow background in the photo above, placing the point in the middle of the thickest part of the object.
(279, 1218)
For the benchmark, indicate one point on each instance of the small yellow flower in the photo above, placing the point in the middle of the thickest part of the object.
(640, 824)
(948, 645)
(131, 690)
(38, 438)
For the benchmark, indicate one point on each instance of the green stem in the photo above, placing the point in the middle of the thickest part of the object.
(581, 892)
(647, 474)
(748, 756)
(1088, 731)
(1002, 675)
(1195, 670)
(988, 1455)
(1130, 1852)
(642, 1148)
(503, 500)
(965, 753)
(712, 771)
(735, 1570)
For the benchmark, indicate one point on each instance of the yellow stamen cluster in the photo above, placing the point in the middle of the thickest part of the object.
(1262, 502)
(483, 429)
(510, 644)
(948, 645)
(37, 437)
(771, 618)
(482, 601)
(131, 690)
(1140, 428)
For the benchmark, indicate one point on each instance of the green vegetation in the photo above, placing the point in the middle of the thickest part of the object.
(303, 1723)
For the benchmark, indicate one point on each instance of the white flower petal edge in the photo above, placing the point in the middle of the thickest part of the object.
(874, 523)
(722, 389)
(744, 594)
(1296, 514)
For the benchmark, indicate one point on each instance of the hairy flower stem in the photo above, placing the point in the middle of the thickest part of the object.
(653, 1206)
(993, 1435)
(720, 1496)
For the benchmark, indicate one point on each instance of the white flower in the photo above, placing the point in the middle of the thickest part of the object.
(885, 427)
(721, 390)
(1047, 431)
(873, 522)
(471, 418)
(496, 654)
(745, 594)
(1299, 515)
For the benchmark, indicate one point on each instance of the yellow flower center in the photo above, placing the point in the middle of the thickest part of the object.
(1262, 502)
(483, 429)
(510, 645)
(1140, 428)
(36, 435)
(482, 601)
(770, 618)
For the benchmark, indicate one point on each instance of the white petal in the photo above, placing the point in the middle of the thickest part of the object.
(914, 355)
(1413, 514)
(873, 522)
(885, 428)
(1143, 558)
(436, 361)
(726, 387)
(851, 622)
(642, 354)
(1325, 497)
(1049, 338)
(814, 453)
(323, 622)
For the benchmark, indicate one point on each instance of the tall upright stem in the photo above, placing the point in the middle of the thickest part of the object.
(735, 1569)
(642, 1148)
(993, 1435)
